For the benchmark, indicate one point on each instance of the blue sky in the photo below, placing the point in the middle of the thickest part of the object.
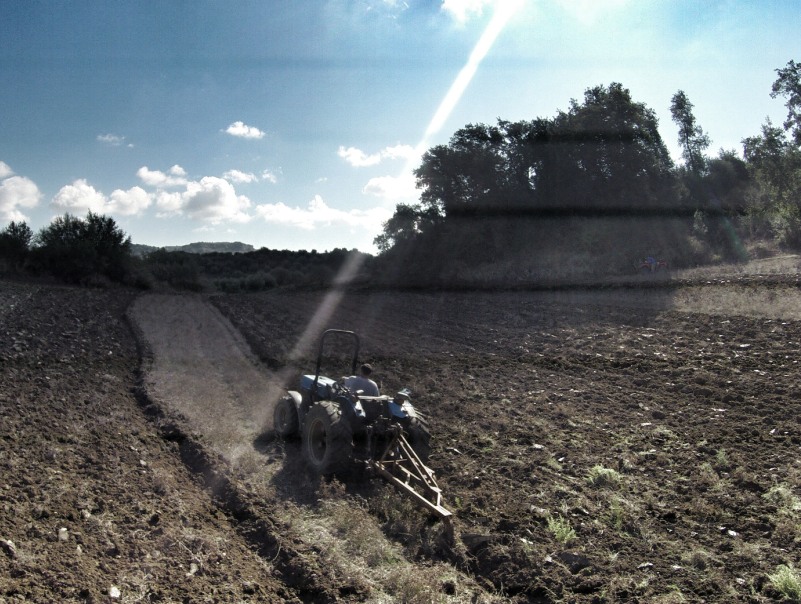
(295, 124)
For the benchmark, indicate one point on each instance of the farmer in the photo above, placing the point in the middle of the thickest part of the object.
(363, 382)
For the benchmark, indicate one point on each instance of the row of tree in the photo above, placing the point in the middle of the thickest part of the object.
(596, 184)
(94, 250)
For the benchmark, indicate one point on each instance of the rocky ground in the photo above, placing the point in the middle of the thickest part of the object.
(594, 447)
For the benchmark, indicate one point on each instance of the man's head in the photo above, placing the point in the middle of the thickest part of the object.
(366, 370)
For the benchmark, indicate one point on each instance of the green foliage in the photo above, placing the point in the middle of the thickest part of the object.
(599, 476)
(787, 582)
(788, 84)
(255, 271)
(784, 499)
(15, 243)
(77, 250)
(692, 139)
(595, 181)
(560, 528)
(774, 200)
(180, 270)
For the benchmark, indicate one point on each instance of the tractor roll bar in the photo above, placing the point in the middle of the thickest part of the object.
(329, 332)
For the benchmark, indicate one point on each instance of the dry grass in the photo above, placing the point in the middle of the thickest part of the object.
(350, 539)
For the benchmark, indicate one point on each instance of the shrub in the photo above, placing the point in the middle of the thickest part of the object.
(787, 582)
(600, 476)
(78, 250)
(15, 243)
(783, 498)
(561, 529)
(177, 269)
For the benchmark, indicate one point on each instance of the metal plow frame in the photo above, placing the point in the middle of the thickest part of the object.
(401, 466)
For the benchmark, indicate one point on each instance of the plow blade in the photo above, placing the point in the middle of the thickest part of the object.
(401, 466)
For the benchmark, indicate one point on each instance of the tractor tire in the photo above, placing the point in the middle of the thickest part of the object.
(419, 435)
(285, 417)
(327, 439)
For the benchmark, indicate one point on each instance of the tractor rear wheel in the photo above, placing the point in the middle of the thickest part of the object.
(285, 417)
(419, 435)
(327, 438)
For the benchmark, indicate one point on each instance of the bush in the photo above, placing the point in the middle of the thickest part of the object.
(787, 582)
(15, 243)
(80, 250)
(177, 269)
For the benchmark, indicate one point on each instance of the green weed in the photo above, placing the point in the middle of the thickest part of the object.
(784, 499)
(787, 582)
(561, 529)
(600, 476)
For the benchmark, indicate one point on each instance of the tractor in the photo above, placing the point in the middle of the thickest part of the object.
(339, 427)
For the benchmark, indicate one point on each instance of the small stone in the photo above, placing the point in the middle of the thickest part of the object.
(8, 547)
(63, 534)
(114, 592)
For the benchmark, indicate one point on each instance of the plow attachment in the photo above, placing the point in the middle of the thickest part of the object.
(401, 466)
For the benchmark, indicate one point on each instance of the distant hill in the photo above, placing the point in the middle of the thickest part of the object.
(200, 247)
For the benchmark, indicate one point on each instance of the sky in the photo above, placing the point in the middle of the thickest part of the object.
(296, 124)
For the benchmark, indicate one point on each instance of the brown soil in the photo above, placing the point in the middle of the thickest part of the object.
(171, 488)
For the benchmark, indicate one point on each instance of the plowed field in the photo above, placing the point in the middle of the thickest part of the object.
(623, 445)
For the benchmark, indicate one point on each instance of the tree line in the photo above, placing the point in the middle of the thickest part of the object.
(95, 251)
(595, 185)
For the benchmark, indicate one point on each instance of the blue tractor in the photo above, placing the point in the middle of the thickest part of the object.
(339, 428)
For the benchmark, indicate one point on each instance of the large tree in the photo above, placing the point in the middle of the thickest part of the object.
(775, 164)
(497, 190)
(788, 84)
(77, 250)
(15, 242)
(692, 138)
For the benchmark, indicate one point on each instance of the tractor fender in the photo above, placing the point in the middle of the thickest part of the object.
(296, 397)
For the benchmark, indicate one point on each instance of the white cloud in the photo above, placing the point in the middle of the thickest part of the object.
(16, 192)
(5, 170)
(242, 130)
(210, 199)
(169, 203)
(318, 213)
(270, 176)
(79, 197)
(111, 139)
(359, 159)
(463, 10)
(237, 176)
(131, 202)
(392, 188)
(175, 177)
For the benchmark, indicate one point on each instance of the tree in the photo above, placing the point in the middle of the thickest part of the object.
(609, 154)
(577, 182)
(692, 139)
(405, 225)
(788, 84)
(15, 243)
(775, 165)
(77, 249)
